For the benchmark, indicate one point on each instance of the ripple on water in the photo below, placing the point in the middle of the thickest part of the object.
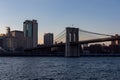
(60, 68)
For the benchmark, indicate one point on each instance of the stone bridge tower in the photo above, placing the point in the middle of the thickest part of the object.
(72, 39)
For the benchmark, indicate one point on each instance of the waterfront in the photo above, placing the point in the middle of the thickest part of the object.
(59, 68)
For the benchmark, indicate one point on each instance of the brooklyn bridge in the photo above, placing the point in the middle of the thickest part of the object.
(71, 40)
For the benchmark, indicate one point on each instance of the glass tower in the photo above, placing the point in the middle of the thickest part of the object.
(31, 33)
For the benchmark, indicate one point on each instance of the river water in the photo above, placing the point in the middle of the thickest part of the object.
(59, 68)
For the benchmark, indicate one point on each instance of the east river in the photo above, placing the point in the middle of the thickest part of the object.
(59, 68)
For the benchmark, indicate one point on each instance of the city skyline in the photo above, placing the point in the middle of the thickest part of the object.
(101, 16)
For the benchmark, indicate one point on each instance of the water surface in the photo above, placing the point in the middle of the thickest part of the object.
(54, 68)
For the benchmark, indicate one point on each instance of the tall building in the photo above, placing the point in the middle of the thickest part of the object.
(48, 39)
(30, 28)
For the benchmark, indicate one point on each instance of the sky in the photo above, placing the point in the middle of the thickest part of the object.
(102, 16)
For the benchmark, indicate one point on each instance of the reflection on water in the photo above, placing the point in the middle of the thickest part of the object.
(53, 68)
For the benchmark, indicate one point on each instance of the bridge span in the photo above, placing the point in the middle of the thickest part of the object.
(72, 45)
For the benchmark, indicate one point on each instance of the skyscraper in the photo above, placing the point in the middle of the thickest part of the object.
(30, 28)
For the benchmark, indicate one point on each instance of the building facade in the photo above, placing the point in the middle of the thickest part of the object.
(48, 39)
(19, 38)
(30, 29)
(10, 43)
(12, 40)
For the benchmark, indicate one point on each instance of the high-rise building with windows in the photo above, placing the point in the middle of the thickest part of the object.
(30, 28)
(48, 39)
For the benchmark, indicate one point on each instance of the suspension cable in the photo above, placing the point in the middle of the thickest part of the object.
(59, 34)
(94, 33)
(63, 35)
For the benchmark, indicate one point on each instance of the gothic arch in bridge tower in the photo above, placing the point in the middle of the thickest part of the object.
(72, 46)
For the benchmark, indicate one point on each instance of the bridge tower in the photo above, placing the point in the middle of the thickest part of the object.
(72, 46)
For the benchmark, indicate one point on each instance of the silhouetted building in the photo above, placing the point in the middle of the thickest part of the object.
(97, 48)
(12, 40)
(2, 39)
(8, 31)
(48, 39)
(114, 49)
(20, 40)
(10, 43)
(30, 28)
(1, 42)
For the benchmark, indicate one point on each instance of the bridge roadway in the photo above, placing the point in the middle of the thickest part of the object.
(80, 42)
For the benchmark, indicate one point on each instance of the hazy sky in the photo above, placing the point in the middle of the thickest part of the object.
(101, 16)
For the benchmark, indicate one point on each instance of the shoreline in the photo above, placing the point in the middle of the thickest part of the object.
(55, 55)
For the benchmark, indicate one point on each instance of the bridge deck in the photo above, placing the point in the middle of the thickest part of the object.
(80, 42)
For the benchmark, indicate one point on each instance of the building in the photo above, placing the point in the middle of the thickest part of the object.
(1, 42)
(8, 31)
(18, 36)
(30, 29)
(12, 40)
(48, 39)
(10, 43)
(2, 36)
